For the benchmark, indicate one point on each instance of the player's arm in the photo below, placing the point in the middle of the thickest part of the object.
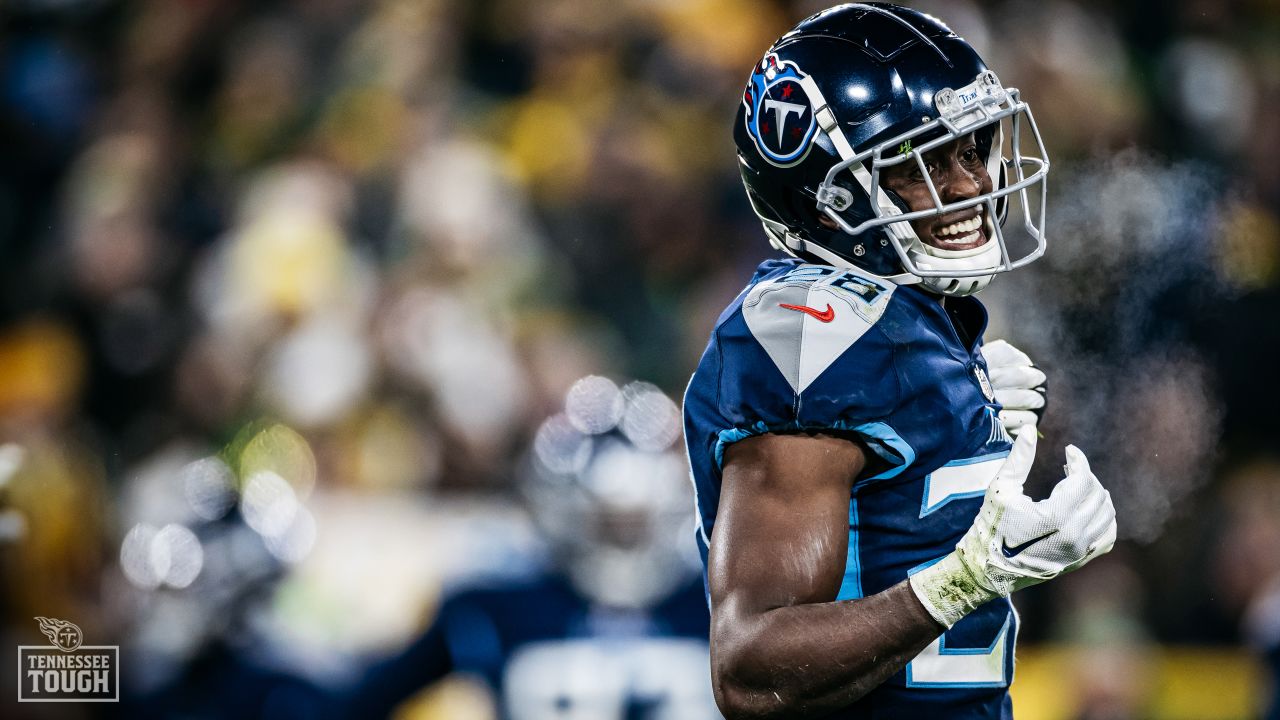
(780, 645)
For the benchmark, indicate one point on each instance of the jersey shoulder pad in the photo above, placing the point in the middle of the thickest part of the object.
(809, 317)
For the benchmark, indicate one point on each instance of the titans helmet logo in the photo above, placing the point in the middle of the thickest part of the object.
(779, 117)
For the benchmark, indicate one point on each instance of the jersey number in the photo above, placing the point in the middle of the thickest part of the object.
(585, 679)
(941, 666)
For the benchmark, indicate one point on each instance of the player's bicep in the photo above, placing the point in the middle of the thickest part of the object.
(781, 532)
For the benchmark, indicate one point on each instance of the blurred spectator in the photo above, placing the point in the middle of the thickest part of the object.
(401, 230)
(616, 626)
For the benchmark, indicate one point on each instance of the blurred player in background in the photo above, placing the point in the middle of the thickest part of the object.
(860, 495)
(616, 627)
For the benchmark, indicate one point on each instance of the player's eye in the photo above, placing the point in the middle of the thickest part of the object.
(970, 155)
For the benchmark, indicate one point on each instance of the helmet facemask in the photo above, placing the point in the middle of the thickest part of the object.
(983, 105)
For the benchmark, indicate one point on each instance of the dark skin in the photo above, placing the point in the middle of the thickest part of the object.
(781, 645)
(958, 173)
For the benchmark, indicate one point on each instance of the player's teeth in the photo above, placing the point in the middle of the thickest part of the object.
(971, 237)
(969, 225)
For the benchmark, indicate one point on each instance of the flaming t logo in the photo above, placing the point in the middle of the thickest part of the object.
(778, 113)
(66, 636)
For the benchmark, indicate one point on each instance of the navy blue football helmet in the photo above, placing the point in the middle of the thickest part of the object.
(861, 87)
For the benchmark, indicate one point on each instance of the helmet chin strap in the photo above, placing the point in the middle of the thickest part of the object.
(987, 255)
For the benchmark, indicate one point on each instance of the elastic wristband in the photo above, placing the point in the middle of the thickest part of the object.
(948, 590)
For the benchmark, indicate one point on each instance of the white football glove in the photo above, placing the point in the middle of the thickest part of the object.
(1016, 542)
(1018, 384)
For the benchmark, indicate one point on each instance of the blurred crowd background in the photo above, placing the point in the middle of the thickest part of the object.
(287, 289)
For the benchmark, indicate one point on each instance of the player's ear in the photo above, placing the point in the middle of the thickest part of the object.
(827, 222)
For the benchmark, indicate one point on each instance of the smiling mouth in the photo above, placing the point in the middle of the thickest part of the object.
(961, 235)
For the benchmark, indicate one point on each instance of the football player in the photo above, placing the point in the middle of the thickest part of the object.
(861, 511)
(617, 626)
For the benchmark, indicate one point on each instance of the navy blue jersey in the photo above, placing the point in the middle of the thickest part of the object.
(815, 348)
(548, 652)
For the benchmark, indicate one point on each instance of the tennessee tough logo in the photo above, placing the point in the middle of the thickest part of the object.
(67, 670)
(779, 117)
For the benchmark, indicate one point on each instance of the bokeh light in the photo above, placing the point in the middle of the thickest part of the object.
(268, 503)
(594, 405)
(651, 420)
(561, 447)
(307, 305)
(210, 487)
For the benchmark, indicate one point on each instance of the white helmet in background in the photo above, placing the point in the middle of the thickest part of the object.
(609, 489)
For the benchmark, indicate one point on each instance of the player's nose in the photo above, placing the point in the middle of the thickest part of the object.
(957, 183)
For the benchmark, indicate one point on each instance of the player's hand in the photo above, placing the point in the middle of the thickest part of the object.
(1019, 386)
(1016, 542)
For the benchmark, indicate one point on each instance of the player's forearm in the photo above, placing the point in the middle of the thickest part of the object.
(809, 660)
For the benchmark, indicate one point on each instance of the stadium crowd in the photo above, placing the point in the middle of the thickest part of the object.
(288, 288)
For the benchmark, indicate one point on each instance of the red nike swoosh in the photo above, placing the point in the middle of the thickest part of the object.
(822, 315)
